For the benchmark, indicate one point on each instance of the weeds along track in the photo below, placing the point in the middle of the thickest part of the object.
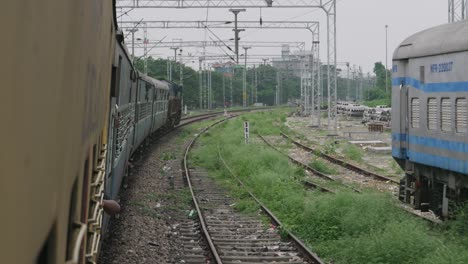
(316, 180)
(190, 119)
(340, 162)
(233, 237)
(387, 185)
(343, 170)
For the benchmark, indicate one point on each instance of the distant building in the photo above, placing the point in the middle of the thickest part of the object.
(226, 68)
(294, 63)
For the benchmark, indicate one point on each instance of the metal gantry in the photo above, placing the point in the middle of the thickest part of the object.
(221, 3)
(313, 27)
(329, 6)
(218, 43)
(330, 10)
(457, 10)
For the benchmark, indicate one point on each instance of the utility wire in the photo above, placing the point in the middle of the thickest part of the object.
(125, 13)
(151, 48)
(230, 56)
(136, 25)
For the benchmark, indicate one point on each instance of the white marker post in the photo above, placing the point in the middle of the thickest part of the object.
(246, 131)
(185, 110)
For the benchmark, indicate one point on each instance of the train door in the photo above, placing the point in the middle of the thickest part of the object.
(111, 133)
(401, 126)
(405, 112)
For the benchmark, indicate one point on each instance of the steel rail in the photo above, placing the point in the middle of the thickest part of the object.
(432, 221)
(231, 111)
(201, 218)
(300, 245)
(340, 162)
(307, 167)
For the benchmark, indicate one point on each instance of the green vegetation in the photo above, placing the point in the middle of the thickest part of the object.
(168, 156)
(376, 102)
(342, 228)
(352, 152)
(396, 168)
(321, 166)
(383, 77)
(330, 147)
(266, 76)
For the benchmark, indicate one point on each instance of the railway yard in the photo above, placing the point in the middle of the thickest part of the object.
(234, 132)
(254, 204)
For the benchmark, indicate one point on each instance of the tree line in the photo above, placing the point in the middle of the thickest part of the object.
(265, 77)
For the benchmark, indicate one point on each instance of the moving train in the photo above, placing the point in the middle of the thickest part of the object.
(74, 110)
(430, 117)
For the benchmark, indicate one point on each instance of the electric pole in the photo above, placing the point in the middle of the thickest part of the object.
(386, 59)
(347, 83)
(244, 90)
(236, 31)
(200, 81)
(133, 30)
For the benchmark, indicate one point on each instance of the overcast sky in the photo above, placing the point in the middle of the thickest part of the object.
(360, 27)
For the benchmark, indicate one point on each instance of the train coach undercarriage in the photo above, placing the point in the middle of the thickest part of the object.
(429, 188)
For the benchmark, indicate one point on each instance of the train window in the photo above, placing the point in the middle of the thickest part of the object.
(446, 115)
(432, 114)
(116, 73)
(130, 92)
(421, 74)
(461, 119)
(415, 106)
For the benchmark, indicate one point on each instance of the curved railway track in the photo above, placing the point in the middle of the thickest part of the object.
(236, 238)
(340, 162)
(227, 111)
(308, 168)
(322, 175)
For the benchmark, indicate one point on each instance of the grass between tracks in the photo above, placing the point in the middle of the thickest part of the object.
(343, 228)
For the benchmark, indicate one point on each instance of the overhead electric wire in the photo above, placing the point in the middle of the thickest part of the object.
(230, 56)
(151, 48)
(136, 25)
(125, 13)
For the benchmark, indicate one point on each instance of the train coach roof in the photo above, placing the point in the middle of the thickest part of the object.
(157, 83)
(442, 39)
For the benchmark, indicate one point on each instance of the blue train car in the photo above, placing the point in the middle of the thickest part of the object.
(121, 119)
(429, 116)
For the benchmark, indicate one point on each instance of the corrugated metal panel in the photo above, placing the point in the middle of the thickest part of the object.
(461, 123)
(446, 115)
(415, 112)
(432, 114)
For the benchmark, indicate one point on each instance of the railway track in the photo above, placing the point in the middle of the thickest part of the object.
(218, 113)
(340, 162)
(315, 172)
(322, 175)
(235, 238)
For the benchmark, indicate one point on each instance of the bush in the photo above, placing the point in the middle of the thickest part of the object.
(352, 152)
(322, 167)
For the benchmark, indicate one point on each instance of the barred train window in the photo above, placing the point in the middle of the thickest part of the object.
(421, 74)
(415, 112)
(432, 114)
(461, 119)
(446, 115)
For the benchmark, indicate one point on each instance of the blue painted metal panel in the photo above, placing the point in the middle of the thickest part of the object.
(454, 146)
(431, 87)
(438, 161)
